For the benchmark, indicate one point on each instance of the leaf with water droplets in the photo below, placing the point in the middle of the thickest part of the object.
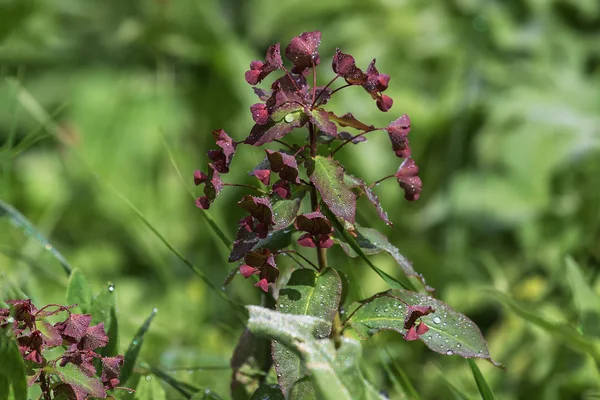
(334, 372)
(328, 177)
(18, 220)
(135, 347)
(449, 332)
(306, 293)
(272, 130)
(371, 241)
(104, 309)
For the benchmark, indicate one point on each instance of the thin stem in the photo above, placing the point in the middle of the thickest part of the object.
(245, 186)
(381, 180)
(314, 202)
(324, 89)
(299, 255)
(284, 143)
(351, 139)
(314, 88)
(44, 386)
(340, 88)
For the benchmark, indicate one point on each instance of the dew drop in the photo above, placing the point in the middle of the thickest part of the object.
(148, 377)
(458, 345)
(436, 320)
(48, 246)
(155, 310)
(10, 320)
(134, 342)
(449, 352)
(288, 118)
(111, 288)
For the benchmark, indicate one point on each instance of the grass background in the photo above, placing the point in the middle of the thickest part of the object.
(504, 99)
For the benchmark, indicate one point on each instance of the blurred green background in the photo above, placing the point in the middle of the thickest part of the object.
(504, 98)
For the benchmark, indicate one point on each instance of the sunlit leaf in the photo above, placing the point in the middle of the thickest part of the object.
(79, 381)
(449, 331)
(306, 293)
(484, 389)
(328, 177)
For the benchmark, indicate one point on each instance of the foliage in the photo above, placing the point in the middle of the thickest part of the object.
(101, 102)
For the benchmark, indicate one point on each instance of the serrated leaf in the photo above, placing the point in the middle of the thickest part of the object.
(284, 213)
(268, 392)
(306, 293)
(390, 280)
(79, 381)
(362, 188)
(12, 368)
(586, 301)
(272, 130)
(149, 388)
(78, 291)
(134, 348)
(328, 175)
(334, 373)
(482, 386)
(371, 241)
(449, 332)
(320, 118)
(251, 354)
(18, 220)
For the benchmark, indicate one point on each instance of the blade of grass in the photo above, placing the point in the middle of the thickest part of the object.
(458, 394)
(484, 389)
(134, 348)
(185, 389)
(406, 384)
(19, 220)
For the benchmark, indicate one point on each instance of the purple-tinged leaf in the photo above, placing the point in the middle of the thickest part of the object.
(375, 84)
(384, 102)
(94, 337)
(355, 139)
(260, 70)
(314, 223)
(263, 94)
(323, 94)
(328, 175)
(398, 131)
(212, 186)
(264, 262)
(449, 331)
(222, 158)
(82, 385)
(302, 51)
(320, 118)
(282, 189)
(349, 120)
(259, 112)
(258, 207)
(263, 175)
(261, 134)
(360, 188)
(284, 213)
(111, 368)
(408, 179)
(74, 328)
(312, 294)
(49, 333)
(345, 66)
(284, 164)
(372, 241)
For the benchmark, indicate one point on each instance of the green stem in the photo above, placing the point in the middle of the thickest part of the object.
(314, 202)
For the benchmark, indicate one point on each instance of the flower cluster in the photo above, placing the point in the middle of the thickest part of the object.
(35, 335)
(290, 172)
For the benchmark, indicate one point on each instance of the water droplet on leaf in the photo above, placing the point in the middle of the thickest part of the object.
(436, 320)
(288, 118)
(449, 352)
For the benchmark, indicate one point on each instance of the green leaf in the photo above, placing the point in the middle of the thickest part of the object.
(268, 392)
(272, 130)
(12, 369)
(586, 300)
(390, 280)
(79, 381)
(306, 293)
(18, 220)
(134, 348)
(149, 388)
(372, 241)
(449, 331)
(78, 291)
(484, 389)
(328, 177)
(335, 373)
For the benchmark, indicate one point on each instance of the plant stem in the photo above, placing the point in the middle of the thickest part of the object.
(44, 386)
(245, 186)
(314, 202)
(351, 139)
